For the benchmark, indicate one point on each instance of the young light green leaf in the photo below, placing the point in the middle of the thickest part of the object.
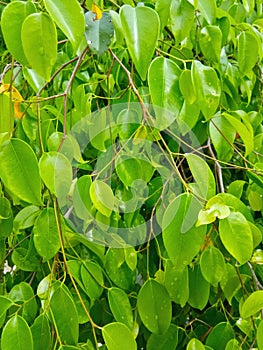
(118, 336)
(260, 335)
(207, 9)
(12, 19)
(46, 236)
(16, 335)
(102, 197)
(56, 172)
(247, 52)
(69, 17)
(195, 344)
(236, 235)
(39, 39)
(120, 306)
(252, 304)
(19, 171)
(154, 307)
(140, 41)
(203, 176)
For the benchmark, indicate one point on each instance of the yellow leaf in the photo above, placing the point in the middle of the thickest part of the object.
(95, 9)
(16, 98)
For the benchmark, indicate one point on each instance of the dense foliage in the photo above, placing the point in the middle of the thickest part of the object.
(131, 167)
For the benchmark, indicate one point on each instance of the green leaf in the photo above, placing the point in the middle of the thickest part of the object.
(182, 19)
(167, 341)
(16, 335)
(41, 333)
(260, 335)
(92, 279)
(232, 345)
(99, 32)
(5, 304)
(162, 7)
(215, 208)
(81, 198)
(22, 293)
(39, 39)
(206, 187)
(102, 197)
(195, 344)
(210, 43)
(65, 316)
(69, 17)
(199, 289)
(117, 336)
(208, 10)
(207, 88)
(212, 264)
(56, 172)
(236, 235)
(252, 305)
(6, 115)
(19, 171)
(46, 236)
(177, 283)
(220, 336)
(244, 129)
(222, 135)
(12, 19)
(154, 307)
(140, 41)
(186, 86)
(247, 55)
(120, 306)
(163, 79)
(182, 239)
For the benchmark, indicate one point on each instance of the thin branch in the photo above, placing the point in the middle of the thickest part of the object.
(218, 167)
(256, 281)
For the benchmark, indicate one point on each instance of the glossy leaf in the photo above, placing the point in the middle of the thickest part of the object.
(5, 304)
(199, 289)
(182, 18)
(65, 317)
(206, 187)
(140, 42)
(16, 335)
(19, 171)
(260, 335)
(252, 304)
(182, 239)
(56, 173)
(247, 52)
(102, 197)
(195, 344)
(39, 39)
(163, 79)
(118, 336)
(69, 17)
(46, 236)
(12, 19)
(186, 86)
(207, 88)
(212, 264)
(167, 341)
(208, 10)
(154, 307)
(210, 43)
(236, 235)
(41, 333)
(177, 283)
(120, 306)
(220, 336)
(232, 345)
(98, 32)
(92, 279)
